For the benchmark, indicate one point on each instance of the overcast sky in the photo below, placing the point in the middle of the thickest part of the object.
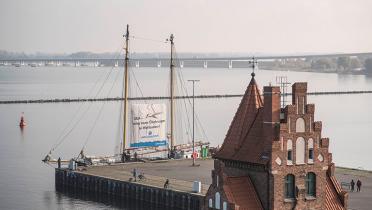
(267, 26)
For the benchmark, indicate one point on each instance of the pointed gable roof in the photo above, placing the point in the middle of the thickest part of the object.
(244, 139)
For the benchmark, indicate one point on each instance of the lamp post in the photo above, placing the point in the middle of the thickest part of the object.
(193, 119)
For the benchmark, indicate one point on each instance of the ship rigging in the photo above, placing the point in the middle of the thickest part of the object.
(126, 151)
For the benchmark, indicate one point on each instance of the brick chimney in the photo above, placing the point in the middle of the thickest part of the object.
(299, 97)
(271, 116)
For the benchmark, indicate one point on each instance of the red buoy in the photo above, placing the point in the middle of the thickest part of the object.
(22, 123)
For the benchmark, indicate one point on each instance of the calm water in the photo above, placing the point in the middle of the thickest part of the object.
(27, 183)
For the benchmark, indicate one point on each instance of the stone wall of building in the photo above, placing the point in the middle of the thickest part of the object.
(298, 126)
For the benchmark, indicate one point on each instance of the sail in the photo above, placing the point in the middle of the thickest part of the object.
(149, 125)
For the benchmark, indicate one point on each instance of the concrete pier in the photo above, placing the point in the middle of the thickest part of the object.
(117, 182)
(111, 184)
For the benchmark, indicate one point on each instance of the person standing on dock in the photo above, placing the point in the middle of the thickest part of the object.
(59, 162)
(135, 156)
(359, 185)
(166, 184)
(135, 174)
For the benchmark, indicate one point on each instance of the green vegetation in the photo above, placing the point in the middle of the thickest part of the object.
(343, 64)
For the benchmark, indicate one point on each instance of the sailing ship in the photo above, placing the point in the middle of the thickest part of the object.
(148, 142)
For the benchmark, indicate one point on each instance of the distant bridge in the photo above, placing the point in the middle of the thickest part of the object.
(204, 62)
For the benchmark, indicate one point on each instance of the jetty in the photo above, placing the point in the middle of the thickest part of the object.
(118, 182)
(71, 100)
(114, 184)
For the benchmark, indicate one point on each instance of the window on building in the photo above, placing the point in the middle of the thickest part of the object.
(224, 205)
(300, 150)
(311, 154)
(310, 145)
(290, 186)
(300, 125)
(311, 184)
(210, 203)
(289, 152)
(217, 204)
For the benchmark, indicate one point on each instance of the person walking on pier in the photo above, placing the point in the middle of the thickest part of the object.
(135, 174)
(352, 184)
(166, 184)
(359, 185)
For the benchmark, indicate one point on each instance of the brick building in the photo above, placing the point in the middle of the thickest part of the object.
(274, 158)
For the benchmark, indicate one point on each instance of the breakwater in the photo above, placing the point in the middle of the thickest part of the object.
(70, 100)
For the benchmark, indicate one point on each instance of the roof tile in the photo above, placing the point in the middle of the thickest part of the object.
(244, 140)
(332, 200)
(240, 190)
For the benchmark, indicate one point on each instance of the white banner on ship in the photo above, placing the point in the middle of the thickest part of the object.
(149, 125)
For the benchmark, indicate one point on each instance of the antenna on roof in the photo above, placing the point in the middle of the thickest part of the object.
(282, 81)
(254, 64)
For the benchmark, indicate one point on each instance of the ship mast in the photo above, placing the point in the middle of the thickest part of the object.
(125, 116)
(171, 93)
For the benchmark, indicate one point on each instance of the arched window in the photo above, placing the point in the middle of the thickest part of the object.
(310, 148)
(300, 150)
(290, 186)
(217, 204)
(289, 152)
(210, 203)
(311, 184)
(224, 205)
(300, 125)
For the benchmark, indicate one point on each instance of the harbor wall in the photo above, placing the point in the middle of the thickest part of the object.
(125, 192)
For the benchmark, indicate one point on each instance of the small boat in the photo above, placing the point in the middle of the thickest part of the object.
(22, 123)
